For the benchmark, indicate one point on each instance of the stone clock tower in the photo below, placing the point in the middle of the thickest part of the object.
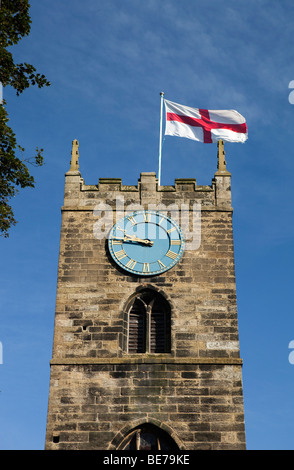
(146, 349)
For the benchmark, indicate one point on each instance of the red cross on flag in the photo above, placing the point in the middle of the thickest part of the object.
(205, 125)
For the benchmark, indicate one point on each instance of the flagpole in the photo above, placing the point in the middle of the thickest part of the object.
(160, 137)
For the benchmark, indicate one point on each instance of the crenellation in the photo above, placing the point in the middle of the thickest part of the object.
(78, 195)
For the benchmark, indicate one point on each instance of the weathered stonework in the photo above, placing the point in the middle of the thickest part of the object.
(98, 391)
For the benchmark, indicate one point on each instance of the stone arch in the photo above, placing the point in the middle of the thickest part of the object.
(150, 286)
(161, 430)
(147, 322)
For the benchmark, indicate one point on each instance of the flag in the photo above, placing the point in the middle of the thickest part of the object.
(205, 125)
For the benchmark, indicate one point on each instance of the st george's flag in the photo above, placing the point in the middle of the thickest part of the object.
(205, 125)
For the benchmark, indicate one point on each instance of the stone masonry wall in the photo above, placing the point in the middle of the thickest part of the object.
(99, 392)
(200, 404)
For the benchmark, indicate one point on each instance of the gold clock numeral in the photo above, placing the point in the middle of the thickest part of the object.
(116, 242)
(131, 264)
(146, 268)
(161, 220)
(171, 229)
(175, 242)
(171, 254)
(147, 217)
(132, 220)
(120, 254)
(161, 264)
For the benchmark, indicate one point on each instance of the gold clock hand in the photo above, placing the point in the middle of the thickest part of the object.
(136, 239)
(146, 241)
(133, 237)
(125, 234)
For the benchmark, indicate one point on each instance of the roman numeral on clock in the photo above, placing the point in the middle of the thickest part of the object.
(116, 242)
(131, 264)
(132, 220)
(175, 242)
(146, 268)
(120, 254)
(171, 254)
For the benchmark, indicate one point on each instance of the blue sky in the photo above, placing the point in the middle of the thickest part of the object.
(108, 62)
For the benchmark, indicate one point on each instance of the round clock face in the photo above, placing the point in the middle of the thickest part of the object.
(146, 243)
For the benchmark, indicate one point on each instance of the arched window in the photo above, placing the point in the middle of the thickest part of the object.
(149, 323)
(148, 437)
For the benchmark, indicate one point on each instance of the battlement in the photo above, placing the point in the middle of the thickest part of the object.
(148, 191)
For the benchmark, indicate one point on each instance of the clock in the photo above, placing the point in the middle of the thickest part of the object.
(146, 243)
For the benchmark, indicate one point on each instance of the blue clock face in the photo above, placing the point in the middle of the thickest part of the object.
(146, 243)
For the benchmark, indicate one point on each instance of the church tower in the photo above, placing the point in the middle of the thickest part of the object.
(146, 346)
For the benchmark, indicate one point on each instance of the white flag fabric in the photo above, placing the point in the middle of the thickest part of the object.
(205, 125)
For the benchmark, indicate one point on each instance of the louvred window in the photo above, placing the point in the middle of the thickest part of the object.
(149, 324)
(137, 328)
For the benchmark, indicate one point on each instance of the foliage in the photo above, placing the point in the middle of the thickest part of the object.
(15, 24)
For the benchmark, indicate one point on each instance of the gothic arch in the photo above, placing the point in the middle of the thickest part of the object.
(154, 434)
(145, 286)
(147, 322)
